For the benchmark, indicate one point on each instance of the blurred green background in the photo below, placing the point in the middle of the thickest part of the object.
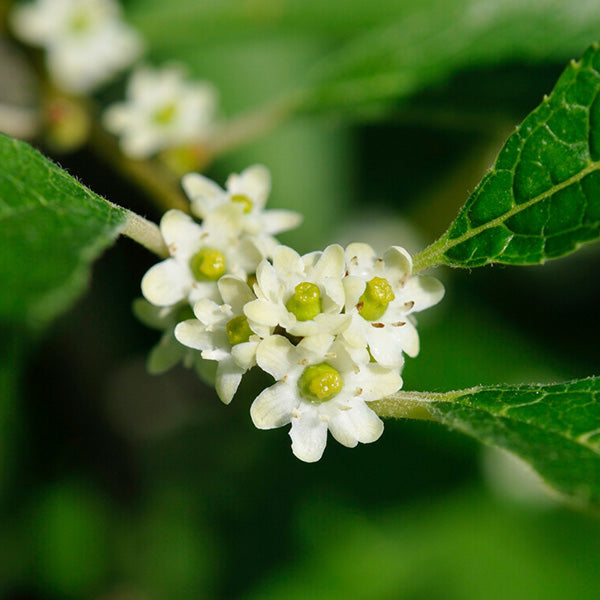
(117, 485)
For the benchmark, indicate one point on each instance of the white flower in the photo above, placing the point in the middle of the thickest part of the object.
(200, 255)
(303, 295)
(320, 387)
(250, 189)
(381, 296)
(222, 333)
(86, 41)
(163, 110)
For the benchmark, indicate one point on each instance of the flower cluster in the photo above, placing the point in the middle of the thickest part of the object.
(331, 327)
(86, 41)
(163, 110)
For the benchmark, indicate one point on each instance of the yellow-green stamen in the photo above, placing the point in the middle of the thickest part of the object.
(208, 265)
(320, 383)
(305, 303)
(80, 22)
(243, 200)
(238, 330)
(166, 114)
(375, 299)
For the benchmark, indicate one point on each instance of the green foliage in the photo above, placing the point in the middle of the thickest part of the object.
(542, 198)
(161, 550)
(52, 229)
(379, 52)
(70, 541)
(464, 545)
(430, 41)
(555, 428)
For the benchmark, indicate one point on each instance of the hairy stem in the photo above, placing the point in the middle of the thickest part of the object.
(146, 233)
(411, 405)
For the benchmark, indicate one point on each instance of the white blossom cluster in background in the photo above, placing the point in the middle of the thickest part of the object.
(87, 43)
(331, 327)
(162, 110)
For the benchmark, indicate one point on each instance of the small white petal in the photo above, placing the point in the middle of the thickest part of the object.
(315, 346)
(342, 429)
(309, 436)
(203, 289)
(139, 144)
(210, 313)
(299, 328)
(196, 185)
(330, 264)
(385, 347)
(227, 380)
(359, 259)
(255, 181)
(116, 117)
(235, 292)
(424, 291)
(398, 262)
(181, 233)
(216, 353)
(354, 288)
(332, 323)
(247, 257)
(224, 222)
(193, 334)
(410, 339)
(244, 354)
(334, 298)
(375, 382)
(277, 221)
(275, 356)
(287, 262)
(166, 283)
(268, 282)
(265, 313)
(273, 407)
(359, 424)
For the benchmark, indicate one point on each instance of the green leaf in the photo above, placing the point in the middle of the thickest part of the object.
(52, 229)
(554, 428)
(541, 200)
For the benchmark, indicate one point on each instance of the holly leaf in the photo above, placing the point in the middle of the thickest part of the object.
(541, 200)
(52, 230)
(554, 428)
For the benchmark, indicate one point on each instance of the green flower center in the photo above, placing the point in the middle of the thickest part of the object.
(305, 303)
(238, 330)
(320, 383)
(243, 200)
(166, 114)
(80, 22)
(375, 299)
(207, 265)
